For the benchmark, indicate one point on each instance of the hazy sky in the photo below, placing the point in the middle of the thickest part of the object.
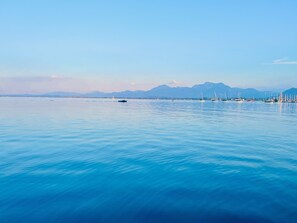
(114, 45)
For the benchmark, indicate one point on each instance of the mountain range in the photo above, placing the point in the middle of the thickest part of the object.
(292, 92)
(206, 90)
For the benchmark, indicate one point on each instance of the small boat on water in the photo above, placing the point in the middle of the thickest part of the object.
(215, 99)
(239, 100)
(269, 101)
(122, 101)
(201, 99)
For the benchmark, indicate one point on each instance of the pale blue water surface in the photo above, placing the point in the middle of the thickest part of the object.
(96, 160)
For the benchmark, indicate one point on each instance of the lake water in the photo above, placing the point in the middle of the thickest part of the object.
(96, 160)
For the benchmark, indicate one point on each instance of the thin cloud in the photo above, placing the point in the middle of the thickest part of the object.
(174, 83)
(284, 61)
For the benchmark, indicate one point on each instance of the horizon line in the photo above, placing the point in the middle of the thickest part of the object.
(275, 90)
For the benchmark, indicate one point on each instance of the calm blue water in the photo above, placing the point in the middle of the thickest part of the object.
(91, 160)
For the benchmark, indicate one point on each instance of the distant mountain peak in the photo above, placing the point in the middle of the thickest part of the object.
(211, 85)
(163, 86)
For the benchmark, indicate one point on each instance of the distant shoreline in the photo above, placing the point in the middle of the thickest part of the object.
(205, 91)
(248, 100)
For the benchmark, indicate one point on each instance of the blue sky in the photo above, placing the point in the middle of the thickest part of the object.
(115, 45)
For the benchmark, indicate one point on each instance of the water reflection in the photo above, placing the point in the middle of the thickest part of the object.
(91, 160)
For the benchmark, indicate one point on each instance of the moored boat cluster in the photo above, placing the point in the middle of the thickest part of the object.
(271, 100)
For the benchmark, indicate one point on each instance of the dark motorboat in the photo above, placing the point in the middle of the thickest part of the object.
(122, 101)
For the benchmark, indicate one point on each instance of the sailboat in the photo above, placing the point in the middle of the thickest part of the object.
(201, 99)
(239, 99)
(215, 99)
(269, 101)
(280, 99)
(226, 98)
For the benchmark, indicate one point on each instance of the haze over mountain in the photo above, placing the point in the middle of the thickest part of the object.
(206, 90)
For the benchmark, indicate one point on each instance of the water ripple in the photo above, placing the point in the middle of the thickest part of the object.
(95, 160)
